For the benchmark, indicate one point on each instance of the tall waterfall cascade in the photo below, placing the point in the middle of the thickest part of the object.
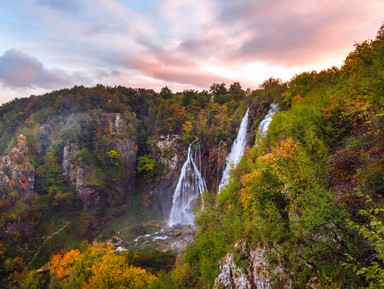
(189, 188)
(237, 151)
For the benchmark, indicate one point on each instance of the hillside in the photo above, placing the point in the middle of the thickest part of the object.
(302, 209)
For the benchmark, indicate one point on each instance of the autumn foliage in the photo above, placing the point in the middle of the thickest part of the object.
(97, 266)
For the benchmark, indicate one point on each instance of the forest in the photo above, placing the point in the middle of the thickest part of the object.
(307, 197)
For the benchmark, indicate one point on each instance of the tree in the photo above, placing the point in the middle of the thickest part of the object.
(98, 266)
(165, 92)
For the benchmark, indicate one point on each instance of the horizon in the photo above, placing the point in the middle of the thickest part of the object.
(50, 45)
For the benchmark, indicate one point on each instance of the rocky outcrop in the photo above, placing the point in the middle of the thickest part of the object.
(17, 175)
(247, 269)
(213, 163)
(168, 156)
(161, 192)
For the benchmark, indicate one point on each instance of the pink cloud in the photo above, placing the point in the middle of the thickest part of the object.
(295, 32)
(188, 73)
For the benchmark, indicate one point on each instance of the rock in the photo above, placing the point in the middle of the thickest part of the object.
(167, 145)
(68, 164)
(176, 233)
(255, 274)
(138, 230)
(117, 240)
(119, 250)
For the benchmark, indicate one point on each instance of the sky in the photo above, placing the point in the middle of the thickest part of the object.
(47, 45)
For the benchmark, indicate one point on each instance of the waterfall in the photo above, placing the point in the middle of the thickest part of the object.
(237, 151)
(264, 124)
(189, 187)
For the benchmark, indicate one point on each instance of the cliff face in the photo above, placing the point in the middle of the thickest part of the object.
(121, 152)
(171, 154)
(166, 153)
(17, 175)
(247, 268)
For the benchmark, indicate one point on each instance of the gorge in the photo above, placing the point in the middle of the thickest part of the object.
(93, 180)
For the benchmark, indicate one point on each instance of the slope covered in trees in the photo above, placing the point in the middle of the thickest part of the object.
(310, 193)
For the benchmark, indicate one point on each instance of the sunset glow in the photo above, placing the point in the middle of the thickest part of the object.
(53, 44)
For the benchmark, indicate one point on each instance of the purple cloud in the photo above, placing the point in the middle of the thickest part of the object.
(18, 69)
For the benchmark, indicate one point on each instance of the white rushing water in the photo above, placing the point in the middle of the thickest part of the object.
(237, 151)
(238, 146)
(189, 188)
(264, 124)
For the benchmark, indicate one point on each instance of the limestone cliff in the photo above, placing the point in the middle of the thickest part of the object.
(247, 268)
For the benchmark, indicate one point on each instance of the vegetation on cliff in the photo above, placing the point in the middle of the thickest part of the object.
(301, 192)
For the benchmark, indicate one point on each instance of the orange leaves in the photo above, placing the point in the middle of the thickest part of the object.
(111, 130)
(60, 198)
(4, 203)
(297, 98)
(23, 185)
(268, 158)
(98, 267)
(14, 195)
(286, 150)
(61, 265)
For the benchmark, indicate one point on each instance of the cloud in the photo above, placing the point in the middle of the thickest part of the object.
(19, 69)
(188, 44)
(294, 32)
(191, 74)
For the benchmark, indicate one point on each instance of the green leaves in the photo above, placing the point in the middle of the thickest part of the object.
(373, 231)
(145, 163)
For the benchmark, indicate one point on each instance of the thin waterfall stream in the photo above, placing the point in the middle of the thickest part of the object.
(238, 145)
(237, 151)
(264, 124)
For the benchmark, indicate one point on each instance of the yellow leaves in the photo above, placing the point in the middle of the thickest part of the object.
(187, 126)
(2, 250)
(245, 198)
(14, 264)
(12, 216)
(111, 272)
